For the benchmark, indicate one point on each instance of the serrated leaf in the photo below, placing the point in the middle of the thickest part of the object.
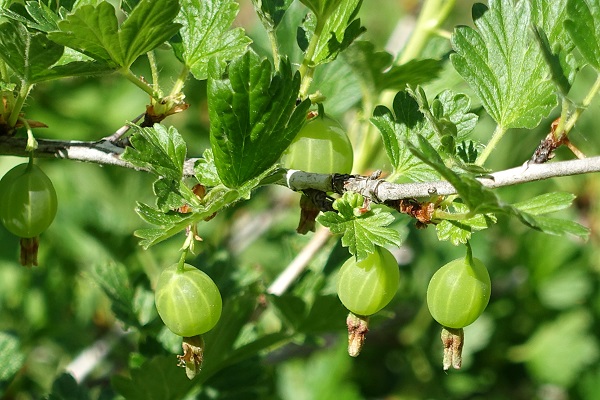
(503, 65)
(205, 170)
(375, 69)
(555, 226)
(361, 231)
(546, 203)
(336, 26)
(206, 33)
(11, 356)
(44, 19)
(271, 11)
(253, 115)
(94, 31)
(28, 55)
(583, 26)
(157, 379)
(396, 129)
(158, 149)
(459, 231)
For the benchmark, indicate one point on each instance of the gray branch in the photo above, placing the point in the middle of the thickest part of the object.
(107, 153)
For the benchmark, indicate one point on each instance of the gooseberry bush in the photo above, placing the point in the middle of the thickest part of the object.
(303, 195)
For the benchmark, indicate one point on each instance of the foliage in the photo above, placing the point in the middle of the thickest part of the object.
(225, 87)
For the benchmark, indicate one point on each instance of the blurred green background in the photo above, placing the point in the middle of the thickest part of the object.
(538, 338)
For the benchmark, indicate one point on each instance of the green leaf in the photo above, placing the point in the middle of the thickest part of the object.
(459, 231)
(554, 226)
(335, 26)
(65, 387)
(556, 44)
(205, 170)
(172, 223)
(158, 149)
(44, 19)
(95, 32)
(361, 231)
(447, 117)
(28, 55)
(503, 65)
(11, 356)
(114, 281)
(583, 26)
(253, 116)
(157, 379)
(376, 70)
(396, 129)
(271, 11)
(546, 203)
(206, 33)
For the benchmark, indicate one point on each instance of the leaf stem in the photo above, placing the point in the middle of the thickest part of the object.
(18, 105)
(126, 72)
(180, 82)
(432, 15)
(274, 48)
(496, 137)
(154, 71)
(181, 263)
(307, 68)
(584, 104)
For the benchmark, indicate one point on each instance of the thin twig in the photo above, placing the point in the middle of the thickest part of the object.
(107, 153)
(298, 264)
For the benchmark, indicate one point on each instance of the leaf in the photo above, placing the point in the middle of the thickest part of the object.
(44, 19)
(376, 70)
(361, 231)
(271, 11)
(28, 55)
(160, 150)
(205, 170)
(253, 115)
(65, 387)
(336, 27)
(546, 203)
(206, 33)
(556, 44)
(396, 129)
(583, 26)
(157, 379)
(504, 67)
(114, 281)
(459, 231)
(11, 356)
(94, 31)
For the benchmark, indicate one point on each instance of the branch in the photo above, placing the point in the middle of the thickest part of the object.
(104, 152)
(107, 153)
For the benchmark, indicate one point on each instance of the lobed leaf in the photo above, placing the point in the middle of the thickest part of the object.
(253, 115)
(334, 20)
(158, 149)
(28, 55)
(503, 65)
(94, 31)
(546, 203)
(206, 33)
(376, 70)
(361, 231)
(459, 231)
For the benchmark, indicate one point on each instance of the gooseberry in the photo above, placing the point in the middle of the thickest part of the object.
(27, 200)
(188, 300)
(459, 292)
(366, 286)
(321, 146)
